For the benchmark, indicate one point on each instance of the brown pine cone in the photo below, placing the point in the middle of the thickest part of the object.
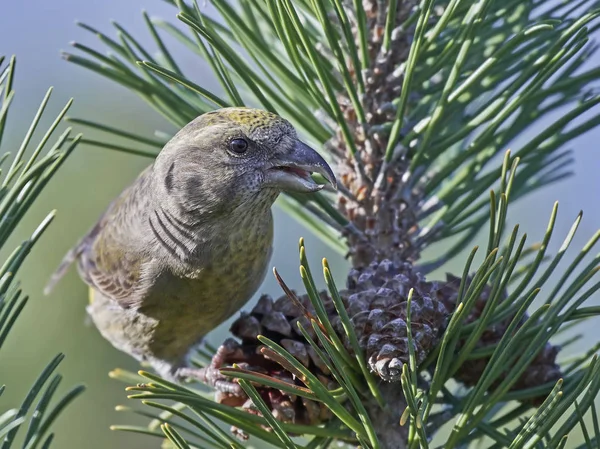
(277, 321)
(376, 302)
(542, 370)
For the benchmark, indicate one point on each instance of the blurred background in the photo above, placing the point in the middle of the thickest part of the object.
(36, 31)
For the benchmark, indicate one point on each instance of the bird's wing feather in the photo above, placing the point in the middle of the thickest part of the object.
(105, 259)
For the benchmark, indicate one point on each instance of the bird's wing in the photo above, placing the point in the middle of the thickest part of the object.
(105, 257)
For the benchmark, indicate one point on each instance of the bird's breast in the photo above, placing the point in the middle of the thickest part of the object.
(191, 299)
(239, 262)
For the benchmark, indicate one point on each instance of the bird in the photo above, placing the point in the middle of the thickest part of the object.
(188, 243)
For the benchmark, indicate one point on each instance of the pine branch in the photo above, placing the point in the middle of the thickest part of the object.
(19, 187)
(415, 103)
(524, 338)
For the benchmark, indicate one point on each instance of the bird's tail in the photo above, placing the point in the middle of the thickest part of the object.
(63, 267)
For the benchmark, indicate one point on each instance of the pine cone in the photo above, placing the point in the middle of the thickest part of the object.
(542, 370)
(277, 320)
(376, 302)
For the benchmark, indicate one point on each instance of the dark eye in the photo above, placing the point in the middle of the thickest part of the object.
(238, 146)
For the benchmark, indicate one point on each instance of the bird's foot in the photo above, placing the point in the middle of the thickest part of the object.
(211, 376)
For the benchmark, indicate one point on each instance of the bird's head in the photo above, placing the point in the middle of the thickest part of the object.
(233, 156)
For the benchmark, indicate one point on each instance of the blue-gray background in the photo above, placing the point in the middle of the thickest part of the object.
(36, 31)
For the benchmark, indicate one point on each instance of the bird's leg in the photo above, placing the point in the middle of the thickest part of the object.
(210, 375)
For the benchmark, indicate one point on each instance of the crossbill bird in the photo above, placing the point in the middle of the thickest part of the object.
(187, 244)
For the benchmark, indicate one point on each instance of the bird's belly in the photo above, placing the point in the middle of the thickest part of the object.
(186, 301)
(178, 312)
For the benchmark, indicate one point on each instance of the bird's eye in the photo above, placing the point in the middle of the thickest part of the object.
(238, 146)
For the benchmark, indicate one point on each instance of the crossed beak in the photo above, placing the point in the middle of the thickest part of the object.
(290, 171)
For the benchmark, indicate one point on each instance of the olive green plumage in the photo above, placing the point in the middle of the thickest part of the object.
(188, 243)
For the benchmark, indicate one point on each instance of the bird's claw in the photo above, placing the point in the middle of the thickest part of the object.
(213, 378)
(211, 375)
